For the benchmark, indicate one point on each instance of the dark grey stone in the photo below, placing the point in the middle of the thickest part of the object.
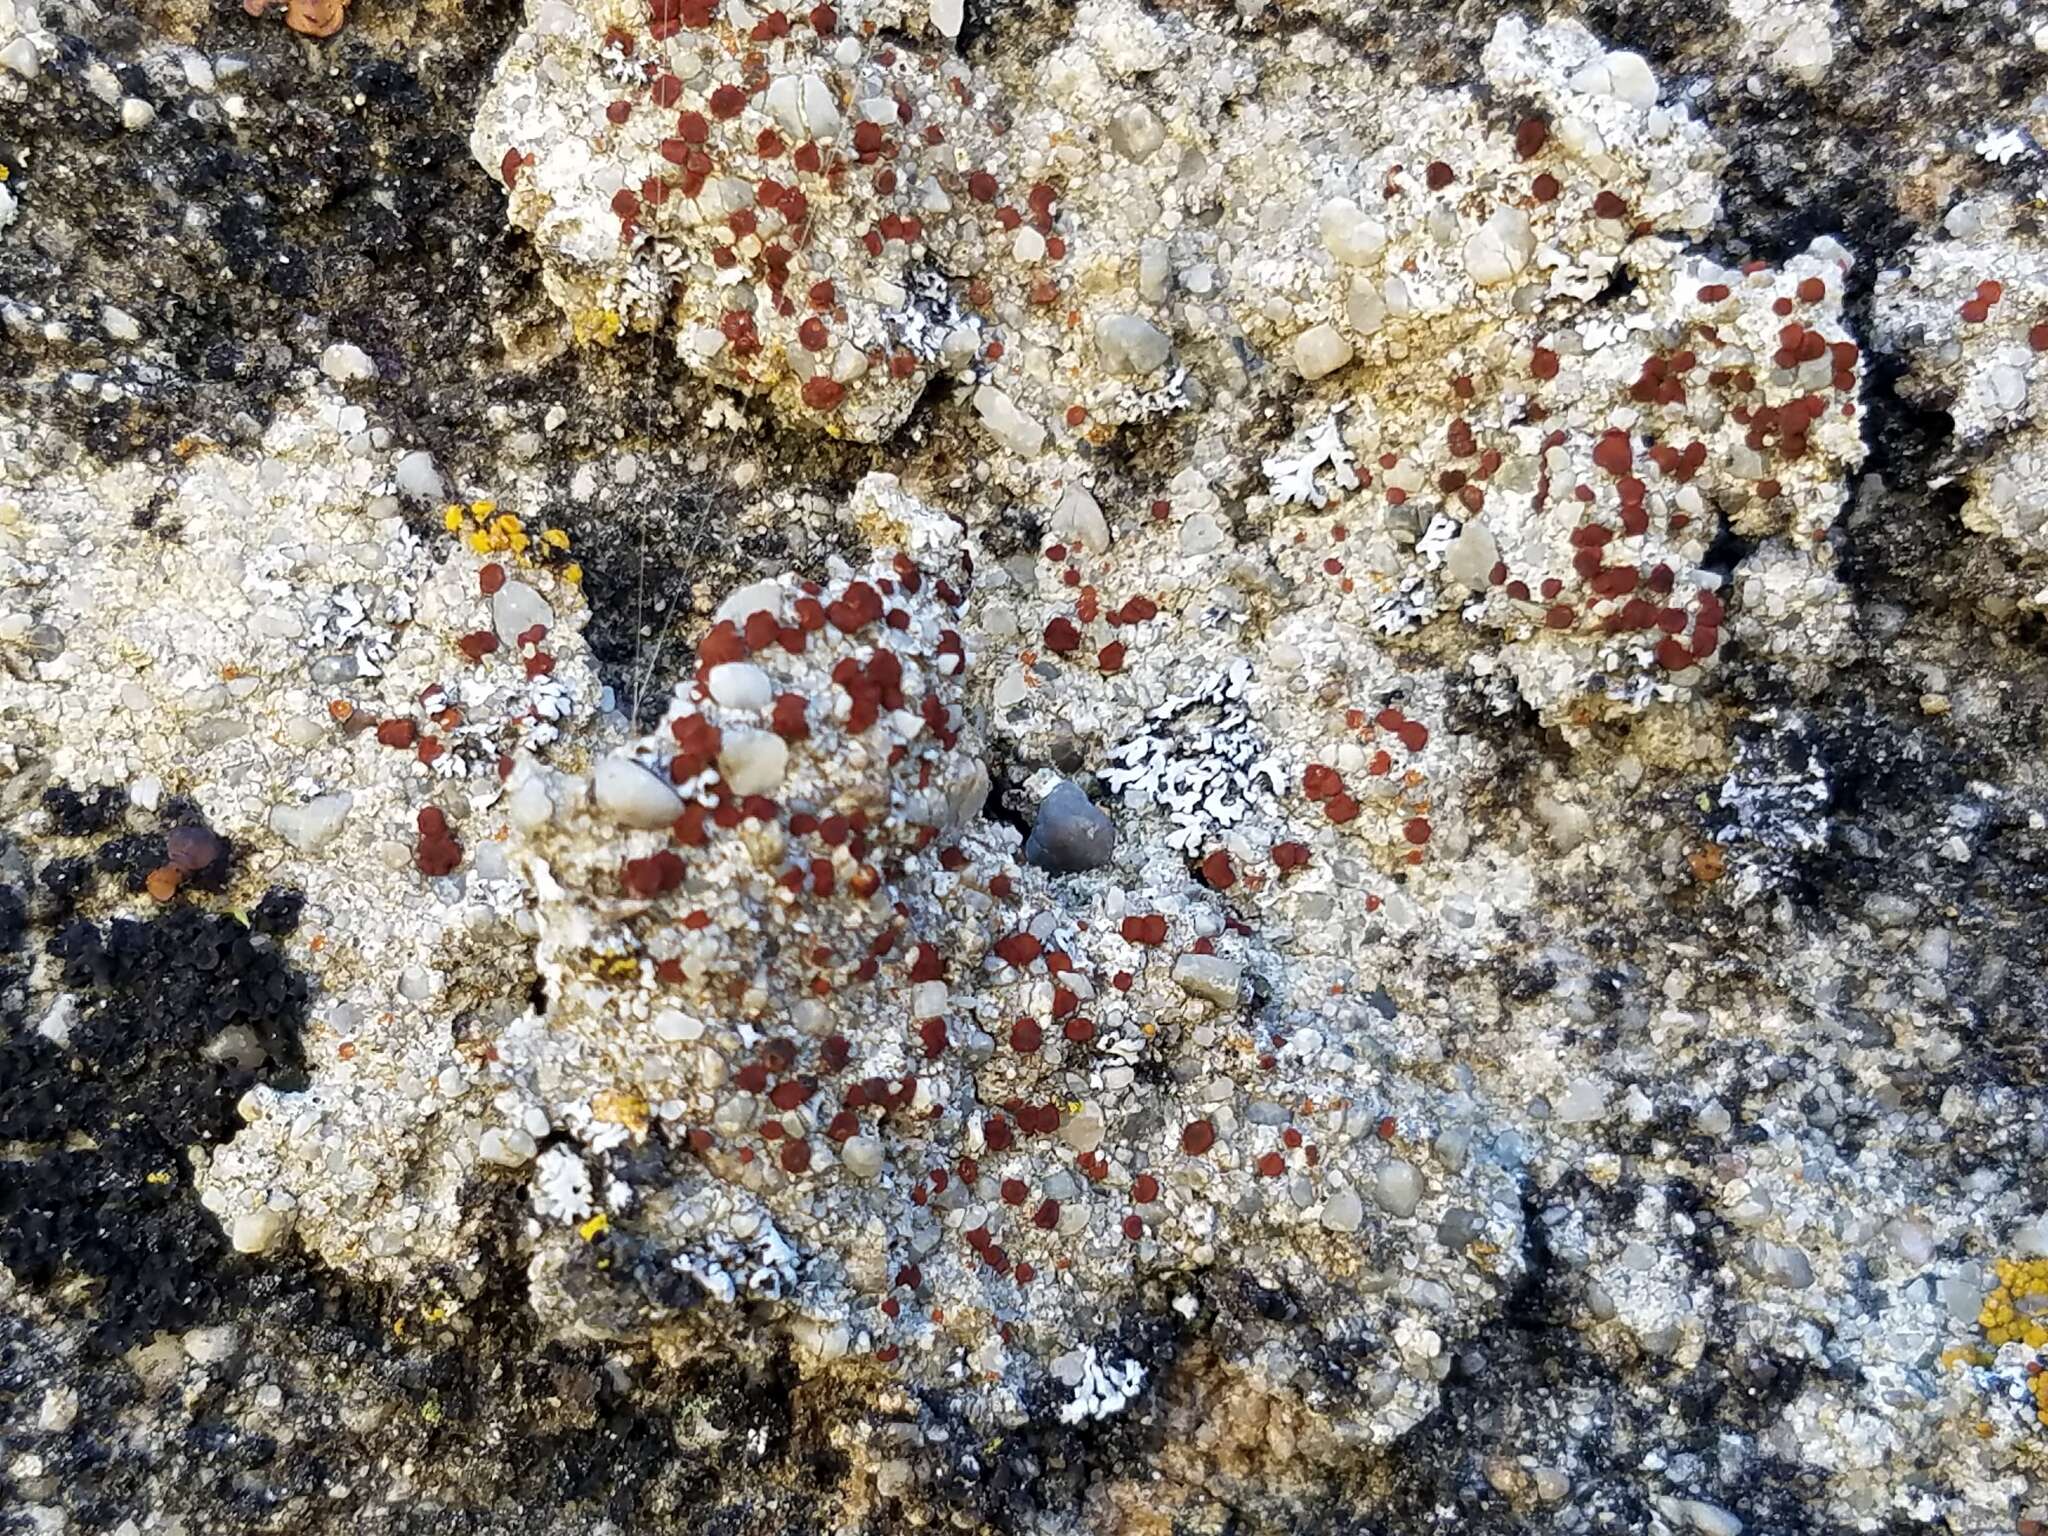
(1071, 832)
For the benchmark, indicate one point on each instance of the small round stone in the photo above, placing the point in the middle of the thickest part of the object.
(346, 363)
(632, 796)
(1397, 1187)
(1131, 345)
(417, 478)
(517, 608)
(510, 1148)
(753, 762)
(1343, 1211)
(257, 1231)
(1078, 520)
(1349, 233)
(862, 1156)
(1320, 350)
(1070, 833)
(741, 685)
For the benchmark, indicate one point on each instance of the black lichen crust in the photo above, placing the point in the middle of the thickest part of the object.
(112, 1085)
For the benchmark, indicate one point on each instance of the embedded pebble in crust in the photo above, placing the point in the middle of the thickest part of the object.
(1069, 833)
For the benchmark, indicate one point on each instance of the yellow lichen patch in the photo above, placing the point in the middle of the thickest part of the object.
(2017, 1311)
(615, 967)
(599, 325)
(621, 1106)
(487, 531)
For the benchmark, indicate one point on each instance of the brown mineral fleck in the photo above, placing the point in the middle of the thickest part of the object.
(315, 18)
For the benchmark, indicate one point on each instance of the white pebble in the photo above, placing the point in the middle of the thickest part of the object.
(1584, 1100)
(1131, 345)
(753, 762)
(59, 1410)
(1349, 233)
(1471, 558)
(1624, 76)
(1912, 1239)
(21, 57)
(1343, 1211)
(862, 1156)
(1364, 307)
(517, 608)
(632, 796)
(741, 685)
(1320, 350)
(1709, 1519)
(1136, 131)
(508, 1149)
(1078, 520)
(1007, 424)
(347, 363)
(1397, 1187)
(1501, 247)
(417, 477)
(2008, 387)
(257, 1231)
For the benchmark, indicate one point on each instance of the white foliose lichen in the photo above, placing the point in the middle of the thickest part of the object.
(261, 630)
(784, 949)
(1099, 1389)
(816, 1053)
(1517, 440)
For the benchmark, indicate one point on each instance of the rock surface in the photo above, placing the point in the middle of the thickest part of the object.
(1022, 768)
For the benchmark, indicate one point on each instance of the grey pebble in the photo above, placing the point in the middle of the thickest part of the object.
(1071, 833)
